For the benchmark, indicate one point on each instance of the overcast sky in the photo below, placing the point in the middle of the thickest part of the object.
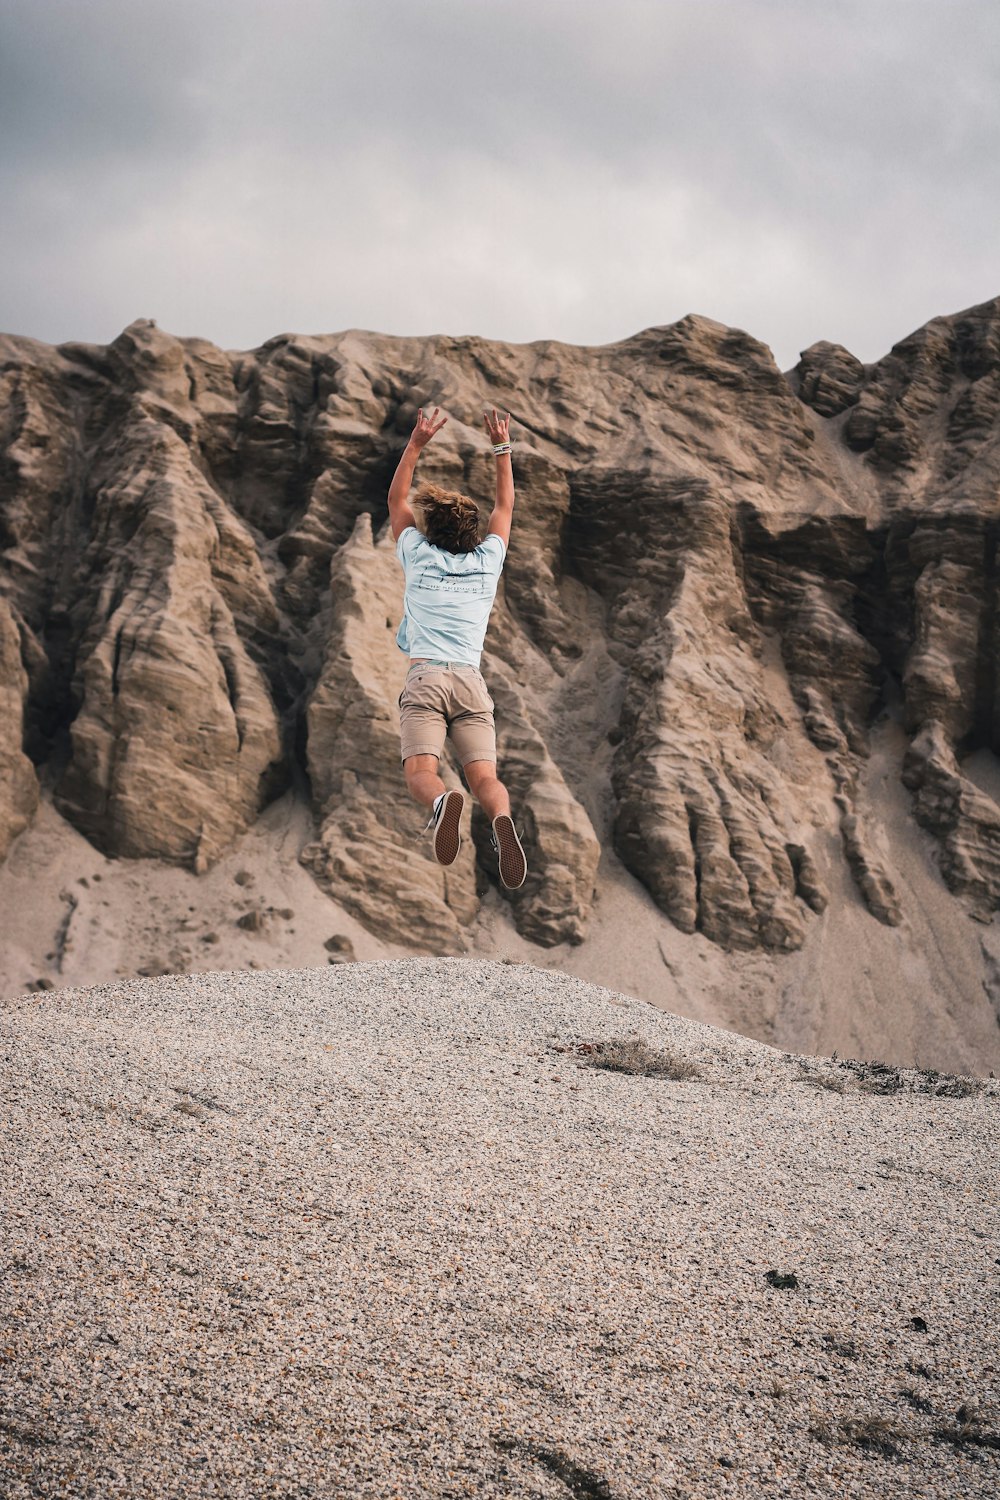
(521, 169)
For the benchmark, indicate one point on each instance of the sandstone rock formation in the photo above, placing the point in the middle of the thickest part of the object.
(18, 782)
(720, 577)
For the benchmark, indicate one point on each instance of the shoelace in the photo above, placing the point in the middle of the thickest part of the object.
(431, 820)
(435, 815)
(493, 838)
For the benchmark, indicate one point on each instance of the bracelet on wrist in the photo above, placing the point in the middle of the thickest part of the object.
(499, 448)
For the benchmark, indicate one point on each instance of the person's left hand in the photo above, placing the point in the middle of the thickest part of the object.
(426, 428)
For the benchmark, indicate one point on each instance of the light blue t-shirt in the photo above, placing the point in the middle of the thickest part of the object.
(448, 597)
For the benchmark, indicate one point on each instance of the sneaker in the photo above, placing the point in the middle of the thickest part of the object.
(445, 822)
(513, 865)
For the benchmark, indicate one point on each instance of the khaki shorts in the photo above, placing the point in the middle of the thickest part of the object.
(442, 698)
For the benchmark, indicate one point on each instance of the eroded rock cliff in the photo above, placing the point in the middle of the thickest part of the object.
(720, 577)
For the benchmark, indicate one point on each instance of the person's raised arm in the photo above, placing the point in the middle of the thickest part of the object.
(400, 514)
(503, 508)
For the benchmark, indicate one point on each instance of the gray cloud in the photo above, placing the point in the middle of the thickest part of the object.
(523, 171)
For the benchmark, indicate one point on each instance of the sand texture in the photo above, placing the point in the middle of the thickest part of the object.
(384, 1229)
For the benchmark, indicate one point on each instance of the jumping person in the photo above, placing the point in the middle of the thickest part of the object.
(451, 582)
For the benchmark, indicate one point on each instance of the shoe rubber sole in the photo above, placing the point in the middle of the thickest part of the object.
(513, 865)
(447, 837)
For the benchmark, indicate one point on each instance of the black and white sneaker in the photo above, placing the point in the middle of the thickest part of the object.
(513, 865)
(445, 821)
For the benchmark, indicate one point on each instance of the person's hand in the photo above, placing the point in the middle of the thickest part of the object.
(426, 428)
(498, 427)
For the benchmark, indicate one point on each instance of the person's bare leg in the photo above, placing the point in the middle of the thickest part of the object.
(421, 772)
(490, 793)
(495, 803)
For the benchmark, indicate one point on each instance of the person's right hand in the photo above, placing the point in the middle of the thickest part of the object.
(497, 427)
(426, 428)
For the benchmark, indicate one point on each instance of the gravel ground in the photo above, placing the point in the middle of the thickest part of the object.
(364, 1231)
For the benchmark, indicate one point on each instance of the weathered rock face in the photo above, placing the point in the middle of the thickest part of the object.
(198, 594)
(174, 737)
(18, 782)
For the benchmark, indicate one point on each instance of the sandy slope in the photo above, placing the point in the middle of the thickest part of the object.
(926, 993)
(380, 1230)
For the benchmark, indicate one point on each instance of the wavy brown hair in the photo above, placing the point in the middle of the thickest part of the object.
(447, 519)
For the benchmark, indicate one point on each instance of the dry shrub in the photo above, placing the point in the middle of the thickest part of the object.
(631, 1054)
